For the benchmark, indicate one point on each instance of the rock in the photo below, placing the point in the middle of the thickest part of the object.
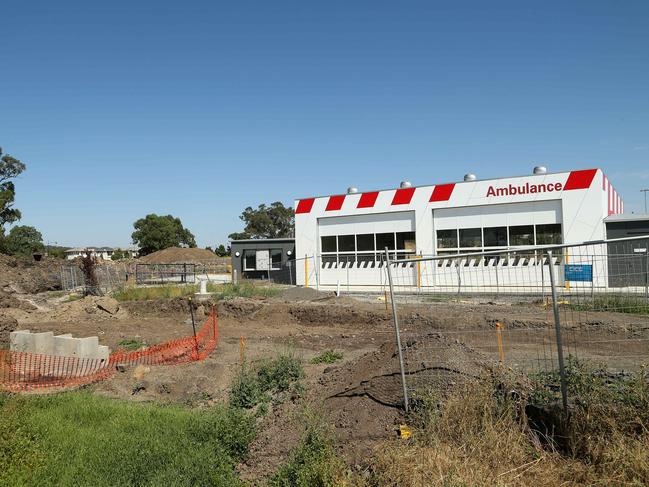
(120, 368)
(108, 304)
(139, 387)
(140, 371)
(328, 370)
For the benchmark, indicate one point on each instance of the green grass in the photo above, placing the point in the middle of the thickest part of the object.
(244, 289)
(131, 344)
(220, 291)
(266, 380)
(157, 292)
(327, 357)
(74, 297)
(79, 439)
(620, 304)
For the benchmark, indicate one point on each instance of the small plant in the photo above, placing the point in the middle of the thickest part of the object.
(314, 462)
(327, 357)
(269, 379)
(88, 267)
(131, 344)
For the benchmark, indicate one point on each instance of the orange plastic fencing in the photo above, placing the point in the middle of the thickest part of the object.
(22, 371)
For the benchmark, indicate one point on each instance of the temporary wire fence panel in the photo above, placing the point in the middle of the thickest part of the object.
(109, 277)
(150, 274)
(460, 314)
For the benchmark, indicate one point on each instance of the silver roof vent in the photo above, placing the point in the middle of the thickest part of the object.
(405, 184)
(540, 170)
(352, 190)
(470, 177)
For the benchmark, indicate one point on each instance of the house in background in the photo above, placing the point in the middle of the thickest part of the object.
(102, 253)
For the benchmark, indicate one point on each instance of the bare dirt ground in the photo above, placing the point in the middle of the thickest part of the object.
(360, 395)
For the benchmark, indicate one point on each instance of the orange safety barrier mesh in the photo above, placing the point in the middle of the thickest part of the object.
(23, 371)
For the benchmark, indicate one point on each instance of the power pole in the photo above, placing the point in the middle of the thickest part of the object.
(645, 191)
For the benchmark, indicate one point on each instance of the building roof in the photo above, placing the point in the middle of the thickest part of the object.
(627, 217)
(261, 240)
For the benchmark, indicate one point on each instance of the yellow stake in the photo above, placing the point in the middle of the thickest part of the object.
(499, 337)
(418, 274)
(242, 349)
(567, 281)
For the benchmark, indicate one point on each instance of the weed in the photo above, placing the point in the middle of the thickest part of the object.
(614, 303)
(131, 344)
(243, 289)
(327, 357)
(156, 292)
(77, 438)
(269, 379)
(314, 462)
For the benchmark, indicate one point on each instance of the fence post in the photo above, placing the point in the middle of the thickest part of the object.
(290, 272)
(646, 275)
(396, 330)
(306, 270)
(557, 327)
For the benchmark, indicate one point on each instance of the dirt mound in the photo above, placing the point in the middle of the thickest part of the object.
(178, 255)
(7, 325)
(100, 306)
(24, 275)
(303, 294)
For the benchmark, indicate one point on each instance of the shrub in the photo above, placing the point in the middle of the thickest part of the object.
(130, 344)
(314, 462)
(266, 380)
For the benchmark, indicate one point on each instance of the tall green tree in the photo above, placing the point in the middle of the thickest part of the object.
(153, 233)
(10, 168)
(23, 240)
(274, 221)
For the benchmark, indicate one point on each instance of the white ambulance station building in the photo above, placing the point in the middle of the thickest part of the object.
(345, 235)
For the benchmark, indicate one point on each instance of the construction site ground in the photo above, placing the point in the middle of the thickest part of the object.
(359, 396)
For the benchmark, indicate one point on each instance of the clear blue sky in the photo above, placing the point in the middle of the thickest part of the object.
(200, 109)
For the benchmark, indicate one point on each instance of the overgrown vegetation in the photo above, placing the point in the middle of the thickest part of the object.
(481, 436)
(271, 379)
(77, 438)
(220, 291)
(614, 303)
(327, 357)
(131, 344)
(314, 462)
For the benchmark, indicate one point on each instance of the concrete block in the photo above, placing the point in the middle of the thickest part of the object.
(65, 346)
(43, 343)
(19, 340)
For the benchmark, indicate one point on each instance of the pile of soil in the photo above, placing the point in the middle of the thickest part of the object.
(25, 275)
(7, 325)
(178, 255)
(99, 306)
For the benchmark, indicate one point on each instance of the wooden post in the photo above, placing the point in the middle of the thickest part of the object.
(242, 350)
(499, 338)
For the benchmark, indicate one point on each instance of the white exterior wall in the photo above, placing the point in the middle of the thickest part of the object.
(579, 200)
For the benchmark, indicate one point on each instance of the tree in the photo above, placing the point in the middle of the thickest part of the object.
(274, 221)
(153, 233)
(23, 240)
(222, 251)
(10, 168)
(119, 254)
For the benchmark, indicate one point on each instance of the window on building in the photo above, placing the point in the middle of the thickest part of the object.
(446, 239)
(328, 244)
(346, 243)
(521, 235)
(406, 241)
(365, 242)
(384, 240)
(276, 259)
(470, 237)
(495, 237)
(249, 260)
(548, 234)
